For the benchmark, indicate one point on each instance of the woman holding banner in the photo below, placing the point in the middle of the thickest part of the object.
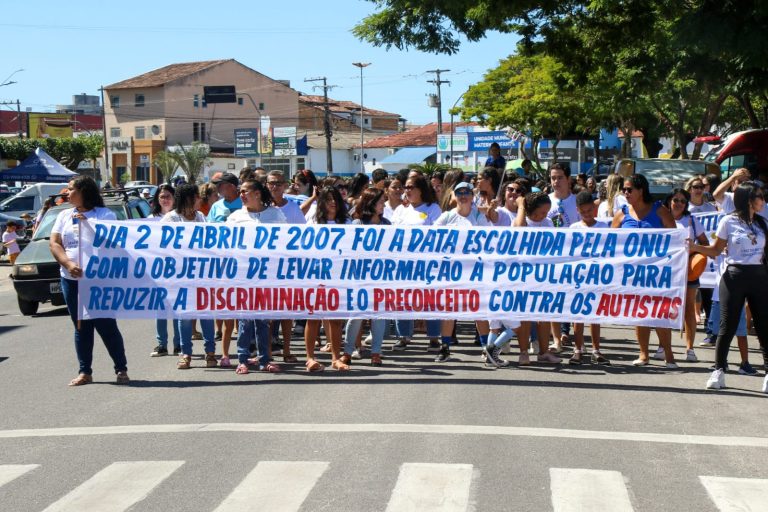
(331, 209)
(422, 210)
(744, 234)
(642, 212)
(87, 204)
(187, 202)
(677, 202)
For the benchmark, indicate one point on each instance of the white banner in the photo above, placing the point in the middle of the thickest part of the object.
(273, 271)
(709, 221)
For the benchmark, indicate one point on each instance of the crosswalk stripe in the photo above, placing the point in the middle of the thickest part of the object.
(10, 472)
(737, 494)
(431, 488)
(576, 490)
(276, 486)
(117, 487)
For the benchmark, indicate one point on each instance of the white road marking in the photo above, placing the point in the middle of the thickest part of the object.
(737, 494)
(385, 428)
(117, 487)
(576, 490)
(9, 472)
(275, 486)
(431, 488)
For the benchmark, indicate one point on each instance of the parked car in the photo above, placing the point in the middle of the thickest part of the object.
(664, 174)
(136, 183)
(30, 200)
(36, 273)
(741, 149)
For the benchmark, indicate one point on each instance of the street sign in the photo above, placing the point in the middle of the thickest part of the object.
(246, 142)
(219, 94)
(284, 140)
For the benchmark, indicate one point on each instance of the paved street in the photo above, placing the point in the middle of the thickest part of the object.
(412, 435)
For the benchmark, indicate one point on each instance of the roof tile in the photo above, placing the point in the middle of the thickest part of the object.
(166, 74)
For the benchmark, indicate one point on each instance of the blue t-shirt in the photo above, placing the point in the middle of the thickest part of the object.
(650, 221)
(499, 162)
(221, 209)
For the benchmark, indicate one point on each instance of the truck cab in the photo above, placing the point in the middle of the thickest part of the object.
(741, 149)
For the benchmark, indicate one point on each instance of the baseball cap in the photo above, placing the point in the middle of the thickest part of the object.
(226, 177)
(463, 184)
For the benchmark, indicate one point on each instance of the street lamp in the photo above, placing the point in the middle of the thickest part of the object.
(361, 65)
(7, 81)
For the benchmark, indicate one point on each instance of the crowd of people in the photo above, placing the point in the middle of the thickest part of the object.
(494, 197)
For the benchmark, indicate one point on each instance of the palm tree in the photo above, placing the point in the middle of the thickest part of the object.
(427, 168)
(166, 164)
(192, 159)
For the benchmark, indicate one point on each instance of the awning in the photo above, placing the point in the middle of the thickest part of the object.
(410, 156)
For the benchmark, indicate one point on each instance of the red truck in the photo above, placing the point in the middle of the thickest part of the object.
(741, 149)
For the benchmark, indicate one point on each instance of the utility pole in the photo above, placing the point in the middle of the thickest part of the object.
(438, 83)
(108, 176)
(361, 65)
(326, 121)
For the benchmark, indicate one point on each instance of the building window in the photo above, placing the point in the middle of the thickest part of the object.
(240, 101)
(205, 103)
(196, 100)
(195, 131)
(261, 106)
(203, 137)
(114, 101)
(139, 101)
(365, 121)
(114, 132)
(141, 132)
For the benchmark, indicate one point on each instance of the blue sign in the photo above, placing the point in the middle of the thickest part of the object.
(481, 141)
(246, 142)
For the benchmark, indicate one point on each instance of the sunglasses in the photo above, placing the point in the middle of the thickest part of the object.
(341, 187)
(409, 187)
(513, 190)
(275, 183)
(627, 190)
(698, 187)
(679, 201)
(463, 192)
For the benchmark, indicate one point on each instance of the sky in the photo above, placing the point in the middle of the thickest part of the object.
(74, 47)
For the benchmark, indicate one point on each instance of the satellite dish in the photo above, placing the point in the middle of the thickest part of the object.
(155, 129)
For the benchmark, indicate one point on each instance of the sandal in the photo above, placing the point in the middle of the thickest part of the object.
(81, 380)
(242, 369)
(184, 363)
(340, 365)
(271, 367)
(122, 378)
(326, 348)
(376, 360)
(290, 358)
(314, 366)
(210, 360)
(346, 359)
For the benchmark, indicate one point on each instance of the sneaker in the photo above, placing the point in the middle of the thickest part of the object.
(746, 369)
(524, 359)
(598, 358)
(709, 341)
(356, 354)
(434, 345)
(159, 351)
(548, 357)
(184, 362)
(444, 354)
(210, 360)
(368, 340)
(640, 362)
(716, 380)
(575, 358)
(122, 378)
(534, 348)
(659, 355)
(493, 358)
(555, 349)
(765, 384)
(176, 351)
(672, 366)
(400, 345)
(690, 356)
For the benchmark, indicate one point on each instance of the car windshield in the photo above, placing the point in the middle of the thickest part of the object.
(46, 225)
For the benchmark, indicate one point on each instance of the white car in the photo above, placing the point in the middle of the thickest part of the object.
(137, 183)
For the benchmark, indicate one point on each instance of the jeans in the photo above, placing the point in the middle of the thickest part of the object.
(246, 331)
(106, 327)
(378, 327)
(185, 332)
(161, 326)
(404, 328)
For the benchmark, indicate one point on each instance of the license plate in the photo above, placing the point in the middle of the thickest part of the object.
(56, 287)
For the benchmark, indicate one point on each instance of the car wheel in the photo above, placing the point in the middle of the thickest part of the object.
(28, 307)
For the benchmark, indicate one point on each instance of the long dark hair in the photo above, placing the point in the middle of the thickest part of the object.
(357, 184)
(366, 207)
(639, 181)
(427, 194)
(184, 198)
(682, 192)
(330, 194)
(156, 198)
(306, 177)
(89, 192)
(258, 185)
(744, 193)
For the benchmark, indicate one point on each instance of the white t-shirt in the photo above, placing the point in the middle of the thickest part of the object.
(271, 215)
(506, 217)
(424, 215)
(11, 237)
(563, 212)
(70, 230)
(292, 213)
(598, 224)
(704, 207)
(618, 202)
(545, 223)
(454, 218)
(726, 205)
(172, 216)
(310, 216)
(692, 224)
(745, 243)
(388, 211)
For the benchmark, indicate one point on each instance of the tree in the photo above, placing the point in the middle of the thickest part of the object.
(70, 151)
(192, 159)
(166, 164)
(427, 168)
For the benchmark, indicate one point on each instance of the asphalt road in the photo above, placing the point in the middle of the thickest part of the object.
(412, 435)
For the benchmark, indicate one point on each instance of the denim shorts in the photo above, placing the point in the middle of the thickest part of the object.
(741, 330)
